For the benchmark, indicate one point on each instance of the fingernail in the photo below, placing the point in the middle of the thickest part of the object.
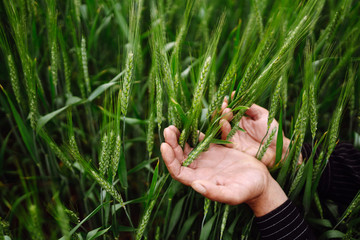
(198, 187)
(227, 97)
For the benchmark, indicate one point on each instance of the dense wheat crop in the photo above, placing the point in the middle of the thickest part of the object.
(88, 86)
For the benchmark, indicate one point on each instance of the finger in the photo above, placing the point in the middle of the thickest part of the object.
(232, 95)
(201, 136)
(172, 140)
(225, 128)
(174, 129)
(246, 123)
(220, 193)
(255, 112)
(187, 149)
(227, 114)
(182, 174)
(224, 105)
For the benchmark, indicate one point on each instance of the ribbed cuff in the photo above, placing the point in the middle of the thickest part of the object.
(284, 223)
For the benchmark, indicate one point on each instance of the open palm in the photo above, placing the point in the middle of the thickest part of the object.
(221, 173)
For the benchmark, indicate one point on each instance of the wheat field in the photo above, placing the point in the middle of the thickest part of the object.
(88, 86)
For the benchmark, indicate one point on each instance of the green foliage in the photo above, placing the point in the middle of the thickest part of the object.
(85, 84)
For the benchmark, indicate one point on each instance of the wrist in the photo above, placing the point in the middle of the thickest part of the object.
(270, 199)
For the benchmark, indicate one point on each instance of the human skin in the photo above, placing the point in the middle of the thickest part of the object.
(224, 174)
(255, 126)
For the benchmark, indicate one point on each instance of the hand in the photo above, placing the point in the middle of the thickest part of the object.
(223, 174)
(255, 126)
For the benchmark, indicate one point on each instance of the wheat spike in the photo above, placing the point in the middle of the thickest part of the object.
(183, 137)
(115, 157)
(67, 72)
(200, 87)
(60, 155)
(54, 63)
(159, 102)
(104, 155)
(157, 234)
(77, 5)
(14, 79)
(224, 220)
(72, 216)
(84, 62)
(274, 102)
(221, 92)
(125, 96)
(267, 144)
(34, 226)
(145, 220)
(207, 203)
(355, 202)
(284, 91)
(107, 187)
(297, 179)
(73, 144)
(318, 204)
(150, 134)
(259, 18)
(313, 112)
(236, 121)
(199, 149)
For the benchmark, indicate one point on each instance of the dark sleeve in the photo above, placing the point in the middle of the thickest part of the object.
(340, 180)
(284, 223)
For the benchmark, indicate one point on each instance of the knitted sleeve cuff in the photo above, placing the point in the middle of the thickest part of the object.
(285, 222)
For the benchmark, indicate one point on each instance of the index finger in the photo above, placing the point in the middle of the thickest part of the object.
(180, 173)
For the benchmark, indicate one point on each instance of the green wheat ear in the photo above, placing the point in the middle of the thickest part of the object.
(115, 157)
(14, 79)
(128, 78)
(34, 225)
(104, 156)
(297, 179)
(84, 61)
(266, 144)
(145, 219)
(274, 102)
(199, 149)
